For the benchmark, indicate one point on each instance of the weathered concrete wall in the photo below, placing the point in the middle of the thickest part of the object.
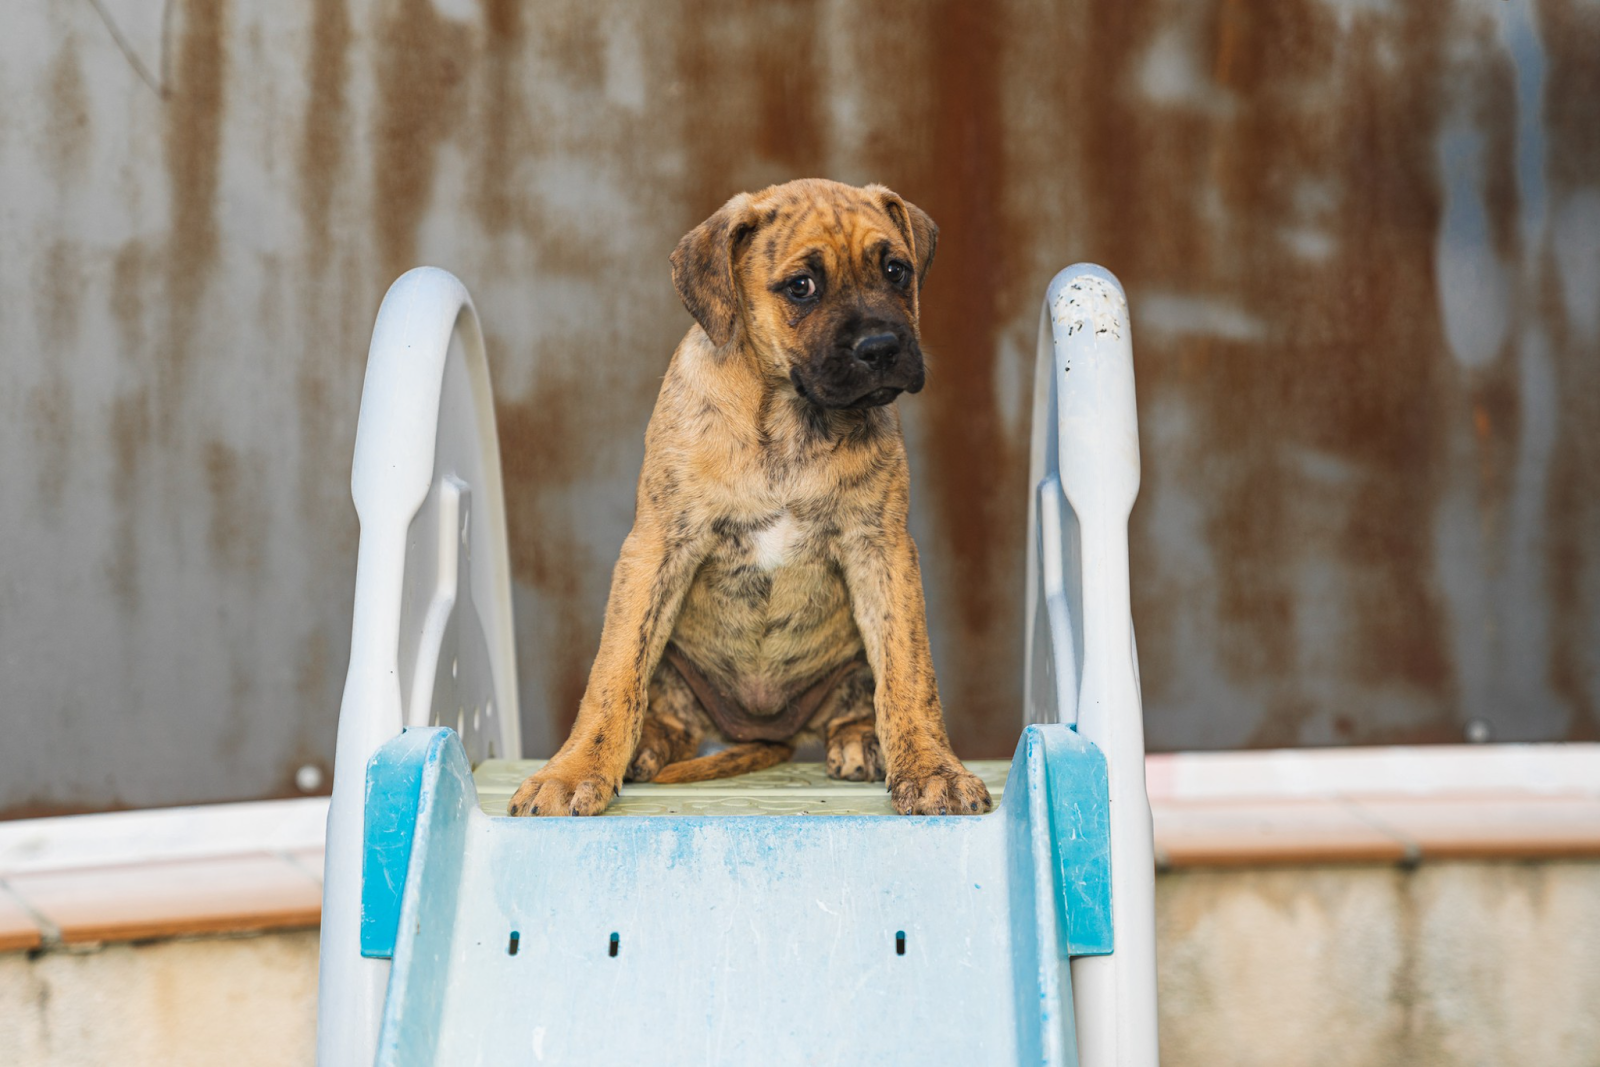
(1362, 239)
(246, 1002)
(1449, 965)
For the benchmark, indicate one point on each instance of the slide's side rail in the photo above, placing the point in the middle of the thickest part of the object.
(1082, 664)
(431, 637)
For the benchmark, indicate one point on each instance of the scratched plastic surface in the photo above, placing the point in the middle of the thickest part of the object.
(676, 939)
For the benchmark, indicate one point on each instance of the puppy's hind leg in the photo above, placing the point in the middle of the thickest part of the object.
(673, 726)
(848, 727)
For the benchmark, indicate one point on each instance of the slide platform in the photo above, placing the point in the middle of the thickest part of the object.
(679, 928)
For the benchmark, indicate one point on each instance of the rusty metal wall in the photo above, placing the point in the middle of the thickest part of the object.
(1362, 239)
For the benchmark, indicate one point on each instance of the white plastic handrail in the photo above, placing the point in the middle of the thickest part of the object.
(427, 488)
(1082, 664)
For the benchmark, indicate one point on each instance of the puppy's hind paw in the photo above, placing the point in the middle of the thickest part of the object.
(648, 761)
(662, 741)
(854, 754)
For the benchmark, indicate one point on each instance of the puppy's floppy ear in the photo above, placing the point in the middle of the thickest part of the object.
(919, 230)
(702, 267)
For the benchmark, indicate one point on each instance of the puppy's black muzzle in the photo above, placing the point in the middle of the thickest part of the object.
(865, 367)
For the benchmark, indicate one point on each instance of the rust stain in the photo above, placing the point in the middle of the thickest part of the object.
(313, 668)
(127, 297)
(752, 110)
(503, 20)
(130, 438)
(979, 486)
(542, 453)
(60, 285)
(332, 311)
(326, 125)
(194, 113)
(421, 66)
(1571, 35)
(232, 739)
(788, 128)
(543, 432)
(571, 39)
(1493, 81)
(129, 427)
(496, 200)
(316, 702)
(50, 406)
(1492, 397)
(238, 526)
(1490, 394)
(50, 417)
(1570, 32)
(1350, 363)
(68, 128)
(548, 432)
(1391, 359)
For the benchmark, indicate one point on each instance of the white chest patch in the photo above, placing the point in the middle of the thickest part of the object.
(772, 546)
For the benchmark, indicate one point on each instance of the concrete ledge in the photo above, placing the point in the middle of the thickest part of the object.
(1401, 804)
(141, 875)
(219, 894)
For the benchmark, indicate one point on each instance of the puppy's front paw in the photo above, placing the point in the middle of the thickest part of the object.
(555, 791)
(944, 788)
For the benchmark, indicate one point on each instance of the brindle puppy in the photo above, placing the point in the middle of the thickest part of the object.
(769, 544)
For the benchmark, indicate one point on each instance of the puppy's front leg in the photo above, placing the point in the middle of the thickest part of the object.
(924, 776)
(653, 574)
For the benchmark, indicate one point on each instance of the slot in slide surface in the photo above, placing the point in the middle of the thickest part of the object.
(681, 928)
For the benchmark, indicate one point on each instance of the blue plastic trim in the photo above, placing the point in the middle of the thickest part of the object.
(394, 787)
(1080, 828)
(429, 900)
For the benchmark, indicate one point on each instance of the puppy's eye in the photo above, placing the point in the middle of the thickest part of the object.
(897, 272)
(803, 287)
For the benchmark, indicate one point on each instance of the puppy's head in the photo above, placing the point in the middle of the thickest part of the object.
(820, 281)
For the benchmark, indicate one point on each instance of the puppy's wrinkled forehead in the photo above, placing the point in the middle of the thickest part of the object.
(835, 234)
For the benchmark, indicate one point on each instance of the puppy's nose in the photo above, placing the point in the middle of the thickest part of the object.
(877, 350)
